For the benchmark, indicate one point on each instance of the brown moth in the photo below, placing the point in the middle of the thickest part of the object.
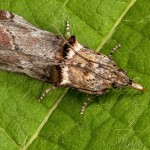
(63, 62)
(26, 49)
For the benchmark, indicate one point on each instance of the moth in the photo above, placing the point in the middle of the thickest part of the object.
(62, 62)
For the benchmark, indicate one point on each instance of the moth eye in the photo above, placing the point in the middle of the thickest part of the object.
(130, 82)
(121, 70)
(115, 85)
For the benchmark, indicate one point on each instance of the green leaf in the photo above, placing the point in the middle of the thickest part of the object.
(118, 120)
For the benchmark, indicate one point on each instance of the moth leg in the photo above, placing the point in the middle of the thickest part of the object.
(46, 92)
(68, 34)
(113, 50)
(85, 104)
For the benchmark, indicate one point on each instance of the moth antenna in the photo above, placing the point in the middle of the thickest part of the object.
(59, 33)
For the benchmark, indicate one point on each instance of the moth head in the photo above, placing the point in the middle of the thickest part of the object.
(121, 79)
(124, 80)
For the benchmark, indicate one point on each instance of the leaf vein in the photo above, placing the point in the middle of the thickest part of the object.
(110, 33)
(51, 110)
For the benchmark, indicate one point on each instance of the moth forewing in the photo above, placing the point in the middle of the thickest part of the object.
(63, 62)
